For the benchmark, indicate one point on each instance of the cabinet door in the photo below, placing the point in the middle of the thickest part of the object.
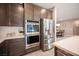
(46, 13)
(37, 14)
(49, 14)
(4, 48)
(16, 14)
(4, 21)
(43, 13)
(29, 11)
(16, 46)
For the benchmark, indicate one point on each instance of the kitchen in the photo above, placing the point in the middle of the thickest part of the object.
(28, 28)
(20, 28)
(67, 30)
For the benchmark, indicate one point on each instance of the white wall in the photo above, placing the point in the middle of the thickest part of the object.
(66, 11)
(70, 27)
(67, 26)
(4, 30)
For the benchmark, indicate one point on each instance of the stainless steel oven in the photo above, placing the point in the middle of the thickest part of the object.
(32, 39)
(32, 33)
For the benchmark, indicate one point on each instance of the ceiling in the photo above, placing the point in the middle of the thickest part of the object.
(45, 5)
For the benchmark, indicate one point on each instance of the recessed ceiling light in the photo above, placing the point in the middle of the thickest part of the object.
(20, 8)
(43, 10)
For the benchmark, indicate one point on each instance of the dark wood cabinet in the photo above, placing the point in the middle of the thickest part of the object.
(4, 21)
(49, 14)
(11, 14)
(60, 52)
(43, 13)
(16, 14)
(16, 46)
(4, 48)
(29, 11)
(32, 12)
(32, 49)
(37, 13)
(13, 47)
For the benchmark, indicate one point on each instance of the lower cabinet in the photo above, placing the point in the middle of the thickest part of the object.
(32, 49)
(13, 47)
(60, 52)
(3, 48)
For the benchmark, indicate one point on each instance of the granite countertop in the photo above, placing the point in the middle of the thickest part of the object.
(10, 37)
(70, 45)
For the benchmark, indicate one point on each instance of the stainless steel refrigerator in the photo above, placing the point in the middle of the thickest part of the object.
(46, 34)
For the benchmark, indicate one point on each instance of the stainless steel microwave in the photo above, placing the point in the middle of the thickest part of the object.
(32, 26)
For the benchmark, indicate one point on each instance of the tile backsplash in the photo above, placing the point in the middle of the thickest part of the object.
(4, 30)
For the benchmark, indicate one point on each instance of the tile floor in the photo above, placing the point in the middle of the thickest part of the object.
(46, 53)
(41, 53)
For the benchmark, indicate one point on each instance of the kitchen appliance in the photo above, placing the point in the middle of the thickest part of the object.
(32, 39)
(32, 26)
(46, 34)
(32, 33)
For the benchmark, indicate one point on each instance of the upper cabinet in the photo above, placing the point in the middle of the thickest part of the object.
(49, 14)
(46, 13)
(29, 11)
(11, 14)
(16, 14)
(4, 21)
(37, 13)
(43, 13)
(33, 12)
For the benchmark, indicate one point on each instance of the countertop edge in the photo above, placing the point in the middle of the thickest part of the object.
(72, 53)
(13, 37)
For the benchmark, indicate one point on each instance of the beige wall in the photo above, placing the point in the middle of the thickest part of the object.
(70, 27)
(67, 11)
(67, 26)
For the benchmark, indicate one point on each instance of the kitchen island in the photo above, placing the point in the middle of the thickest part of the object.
(67, 47)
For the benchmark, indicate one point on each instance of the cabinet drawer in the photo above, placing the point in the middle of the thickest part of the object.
(17, 46)
(16, 52)
(60, 52)
(32, 49)
(16, 40)
(21, 43)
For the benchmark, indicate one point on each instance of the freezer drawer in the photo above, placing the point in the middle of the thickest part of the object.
(49, 41)
(47, 47)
